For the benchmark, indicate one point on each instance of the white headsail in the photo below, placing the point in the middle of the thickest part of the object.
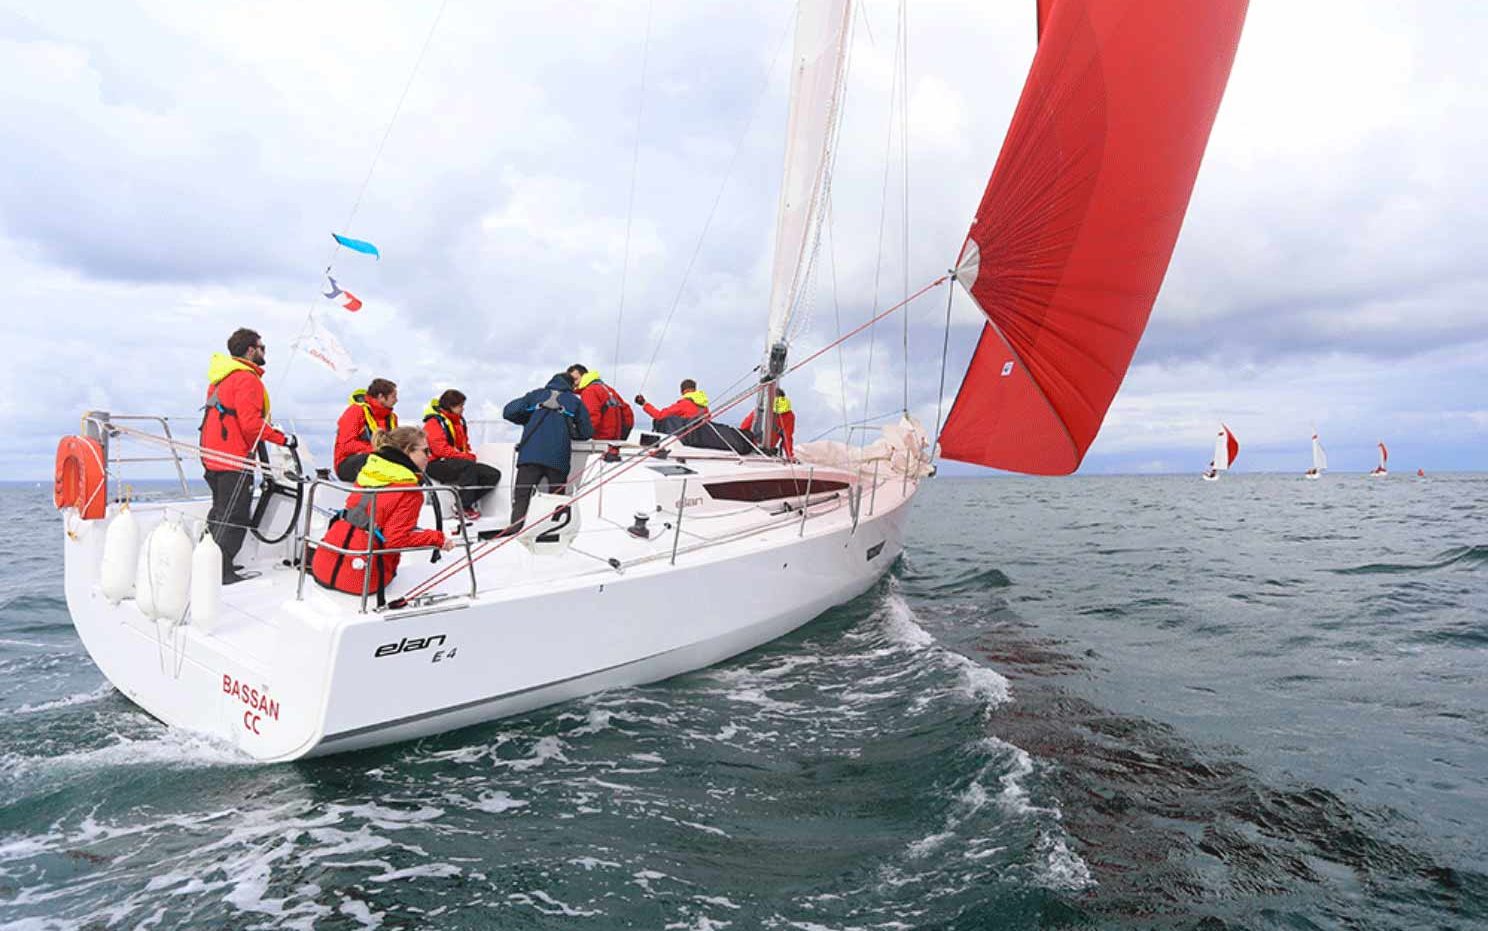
(811, 133)
(1319, 457)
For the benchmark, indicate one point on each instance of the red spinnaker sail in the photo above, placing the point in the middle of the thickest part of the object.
(1384, 454)
(1231, 444)
(1044, 6)
(1074, 233)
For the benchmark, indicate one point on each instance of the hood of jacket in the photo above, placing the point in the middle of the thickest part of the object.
(223, 365)
(589, 378)
(560, 382)
(697, 397)
(388, 466)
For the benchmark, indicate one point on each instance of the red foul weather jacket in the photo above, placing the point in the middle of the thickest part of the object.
(356, 425)
(448, 436)
(611, 416)
(396, 526)
(235, 417)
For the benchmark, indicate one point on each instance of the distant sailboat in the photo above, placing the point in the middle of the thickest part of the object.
(1226, 448)
(1420, 473)
(1319, 459)
(1384, 457)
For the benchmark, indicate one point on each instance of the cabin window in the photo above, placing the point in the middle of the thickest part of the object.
(769, 489)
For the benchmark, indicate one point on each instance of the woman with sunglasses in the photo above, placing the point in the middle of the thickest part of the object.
(399, 462)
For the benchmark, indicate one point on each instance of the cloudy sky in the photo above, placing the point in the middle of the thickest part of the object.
(173, 170)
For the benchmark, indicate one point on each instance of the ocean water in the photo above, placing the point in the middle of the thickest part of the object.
(1089, 702)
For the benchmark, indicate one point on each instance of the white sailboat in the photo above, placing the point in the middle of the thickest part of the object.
(1380, 471)
(1226, 448)
(665, 557)
(1319, 459)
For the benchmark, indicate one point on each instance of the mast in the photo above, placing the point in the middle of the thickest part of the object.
(817, 71)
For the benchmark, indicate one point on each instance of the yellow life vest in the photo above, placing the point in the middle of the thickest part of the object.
(223, 365)
(378, 472)
(697, 397)
(587, 379)
(782, 404)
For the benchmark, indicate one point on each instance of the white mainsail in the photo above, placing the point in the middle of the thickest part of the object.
(1221, 452)
(811, 134)
(1319, 456)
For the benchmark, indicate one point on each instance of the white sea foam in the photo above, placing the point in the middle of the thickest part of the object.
(361, 912)
(1062, 867)
(172, 747)
(550, 905)
(976, 681)
(547, 748)
(82, 698)
(497, 802)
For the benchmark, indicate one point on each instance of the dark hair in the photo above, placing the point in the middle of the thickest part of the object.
(451, 398)
(780, 391)
(380, 388)
(242, 340)
(688, 385)
(576, 367)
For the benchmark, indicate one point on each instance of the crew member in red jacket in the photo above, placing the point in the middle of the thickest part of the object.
(370, 410)
(691, 405)
(400, 458)
(610, 414)
(785, 422)
(234, 422)
(451, 460)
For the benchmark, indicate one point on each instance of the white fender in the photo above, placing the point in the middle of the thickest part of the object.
(206, 583)
(170, 570)
(120, 556)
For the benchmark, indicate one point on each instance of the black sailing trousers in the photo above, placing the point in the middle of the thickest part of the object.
(526, 483)
(232, 495)
(474, 479)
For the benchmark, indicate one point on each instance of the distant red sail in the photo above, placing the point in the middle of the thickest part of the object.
(1074, 234)
(1232, 444)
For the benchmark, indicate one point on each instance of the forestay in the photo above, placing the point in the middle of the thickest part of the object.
(1074, 233)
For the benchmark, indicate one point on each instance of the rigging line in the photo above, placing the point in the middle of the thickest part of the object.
(449, 572)
(635, 161)
(856, 423)
(883, 207)
(305, 328)
(904, 162)
(717, 198)
(837, 318)
(945, 348)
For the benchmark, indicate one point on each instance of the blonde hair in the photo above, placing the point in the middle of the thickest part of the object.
(403, 439)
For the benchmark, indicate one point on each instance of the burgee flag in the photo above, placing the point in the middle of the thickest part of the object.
(346, 299)
(357, 245)
(320, 344)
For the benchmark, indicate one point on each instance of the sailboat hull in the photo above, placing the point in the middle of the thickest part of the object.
(284, 678)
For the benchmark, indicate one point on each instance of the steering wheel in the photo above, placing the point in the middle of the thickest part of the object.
(271, 486)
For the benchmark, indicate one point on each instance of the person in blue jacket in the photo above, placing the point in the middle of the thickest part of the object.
(551, 418)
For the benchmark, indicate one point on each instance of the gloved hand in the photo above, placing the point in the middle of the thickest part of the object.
(640, 399)
(291, 441)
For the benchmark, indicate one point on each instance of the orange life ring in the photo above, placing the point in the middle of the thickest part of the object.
(79, 480)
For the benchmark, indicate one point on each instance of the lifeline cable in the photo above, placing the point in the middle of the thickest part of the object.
(449, 572)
